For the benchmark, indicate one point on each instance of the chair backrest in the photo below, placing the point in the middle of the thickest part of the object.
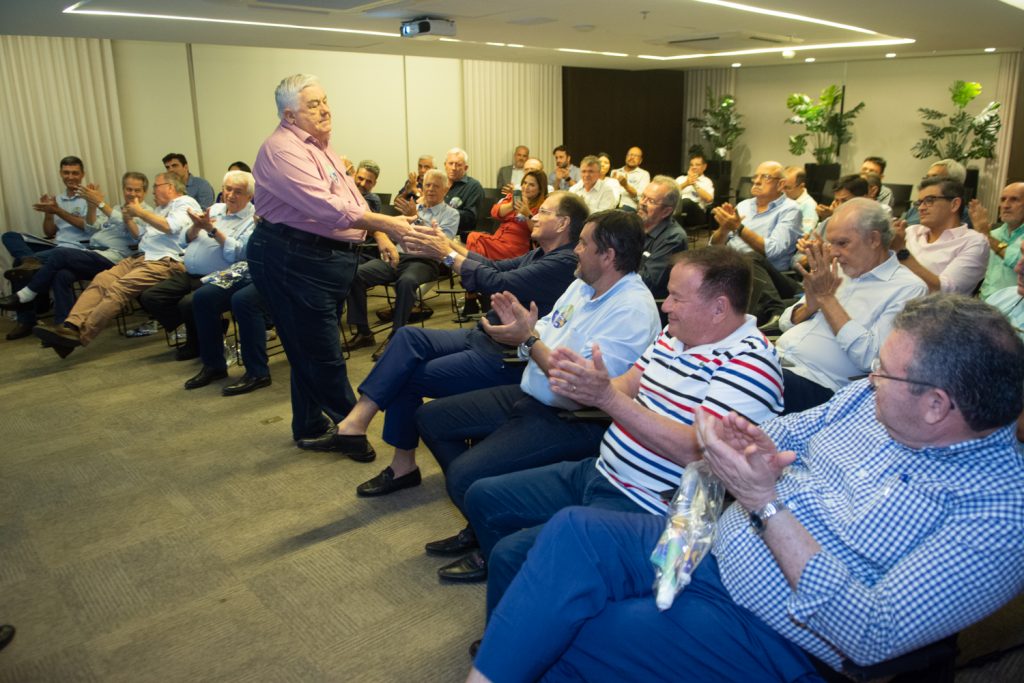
(900, 198)
(743, 188)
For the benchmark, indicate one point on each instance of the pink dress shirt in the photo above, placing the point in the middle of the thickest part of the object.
(958, 258)
(304, 185)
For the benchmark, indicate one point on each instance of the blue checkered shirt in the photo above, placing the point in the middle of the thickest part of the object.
(916, 544)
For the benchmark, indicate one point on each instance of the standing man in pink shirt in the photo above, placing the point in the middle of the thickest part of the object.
(302, 254)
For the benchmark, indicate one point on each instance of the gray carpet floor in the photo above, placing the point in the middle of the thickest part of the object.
(150, 533)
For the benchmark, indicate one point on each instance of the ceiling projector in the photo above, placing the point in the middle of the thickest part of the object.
(425, 27)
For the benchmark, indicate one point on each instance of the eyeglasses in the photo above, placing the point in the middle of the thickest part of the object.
(928, 201)
(765, 176)
(876, 365)
(156, 185)
(548, 212)
(644, 199)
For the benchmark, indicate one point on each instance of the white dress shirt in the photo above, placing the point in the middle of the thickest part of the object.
(811, 350)
(958, 257)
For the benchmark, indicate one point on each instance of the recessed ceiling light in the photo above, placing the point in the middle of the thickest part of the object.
(990, 49)
(496, 44)
(736, 65)
(809, 60)
(786, 15)
(788, 54)
(890, 55)
(514, 45)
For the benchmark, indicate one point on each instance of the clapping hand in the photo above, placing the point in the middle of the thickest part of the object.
(727, 217)
(899, 235)
(822, 276)
(517, 322)
(405, 206)
(584, 381)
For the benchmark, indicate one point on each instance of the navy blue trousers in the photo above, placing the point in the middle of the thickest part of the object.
(62, 267)
(420, 364)
(304, 286)
(245, 303)
(581, 609)
(510, 431)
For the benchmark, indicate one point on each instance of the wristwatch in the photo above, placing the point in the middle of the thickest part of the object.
(101, 206)
(449, 260)
(739, 231)
(524, 349)
(903, 254)
(760, 516)
(212, 232)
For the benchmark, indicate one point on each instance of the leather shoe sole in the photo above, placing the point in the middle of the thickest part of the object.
(386, 482)
(356, 447)
(467, 569)
(204, 377)
(459, 544)
(245, 385)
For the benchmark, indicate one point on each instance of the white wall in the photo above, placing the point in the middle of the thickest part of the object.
(889, 124)
(385, 107)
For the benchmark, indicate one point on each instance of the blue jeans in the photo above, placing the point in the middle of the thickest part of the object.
(208, 303)
(303, 286)
(582, 609)
(510, 431)
(420, 364)
(62, 267)
(508, 512)
(19, 248)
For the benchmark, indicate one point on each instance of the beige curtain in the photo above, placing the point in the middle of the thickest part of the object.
(60, 99)
(721, 82)
(508, 104)
(993, 172)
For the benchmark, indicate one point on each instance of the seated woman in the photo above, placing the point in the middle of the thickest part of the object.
(606, 168)
(512, 238)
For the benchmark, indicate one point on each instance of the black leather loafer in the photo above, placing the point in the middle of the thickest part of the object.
(386, 482)
(6, 635)
(356, 447)
(186, 352)
(474, 647)
(459, 544)
(359, 341)
(204, 377)
(245, 385)
(62, 336)
(467, 569)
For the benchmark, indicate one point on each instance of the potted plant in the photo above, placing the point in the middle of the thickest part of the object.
(830, 126)
(964, 136)
(720, 128)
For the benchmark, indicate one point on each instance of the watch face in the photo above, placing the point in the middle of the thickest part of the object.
(756, 522)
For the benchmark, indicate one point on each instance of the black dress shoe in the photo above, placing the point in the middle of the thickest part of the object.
(6, 635)
(386, 482)
(360, 341)
(420, 312)
(459, 544)
(187, 352)
(356, 447)
(467, 569)
(245, 385)
(205, 376)
(19, 332)
(474, 647)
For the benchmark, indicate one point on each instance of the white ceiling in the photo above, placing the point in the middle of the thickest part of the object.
(632, 28)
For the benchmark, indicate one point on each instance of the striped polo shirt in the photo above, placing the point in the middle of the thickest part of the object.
(740, 373)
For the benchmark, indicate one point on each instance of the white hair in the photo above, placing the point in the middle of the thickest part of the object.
(237, 177)
(459, 152)
(287, 92)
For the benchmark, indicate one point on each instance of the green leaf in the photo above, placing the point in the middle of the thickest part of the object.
(963, 92)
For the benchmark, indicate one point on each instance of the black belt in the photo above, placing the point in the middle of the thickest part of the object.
(308, 237)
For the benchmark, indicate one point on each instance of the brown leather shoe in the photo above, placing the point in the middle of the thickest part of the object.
(360, 341)
(24, 270)
(57, 336)
(19, 332)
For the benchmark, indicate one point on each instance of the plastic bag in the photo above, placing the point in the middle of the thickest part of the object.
(689, 530)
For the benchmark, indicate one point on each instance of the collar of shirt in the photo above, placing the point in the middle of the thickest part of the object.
(660, 228)
(747, 329)
(883, 272)
(921, 232)
(244, 212)
(303, 135)
(1011, 235)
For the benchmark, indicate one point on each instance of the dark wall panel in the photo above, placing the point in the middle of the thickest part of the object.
(607, 110)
